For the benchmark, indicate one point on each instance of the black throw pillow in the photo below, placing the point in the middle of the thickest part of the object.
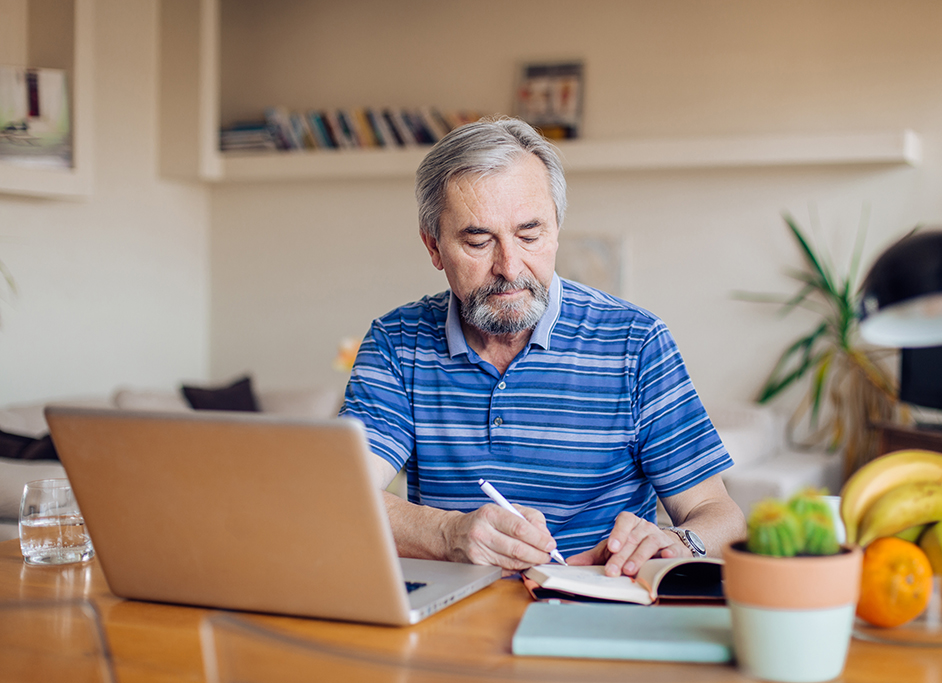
(236, 396)
(22, 447)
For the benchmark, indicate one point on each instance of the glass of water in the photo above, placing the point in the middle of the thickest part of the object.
(52, 530)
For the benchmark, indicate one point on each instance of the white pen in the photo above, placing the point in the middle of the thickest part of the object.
(494, 495)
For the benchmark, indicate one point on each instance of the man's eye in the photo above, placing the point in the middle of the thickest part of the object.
(477, 245)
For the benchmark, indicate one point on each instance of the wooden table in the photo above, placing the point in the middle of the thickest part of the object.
(469, 641)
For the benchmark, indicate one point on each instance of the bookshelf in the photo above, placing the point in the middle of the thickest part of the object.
(191, 116)
(56, 34)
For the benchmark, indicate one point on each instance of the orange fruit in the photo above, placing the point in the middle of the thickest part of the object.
(896, 582)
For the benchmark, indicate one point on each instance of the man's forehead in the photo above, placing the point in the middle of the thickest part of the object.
(525, 162)
(521, 183)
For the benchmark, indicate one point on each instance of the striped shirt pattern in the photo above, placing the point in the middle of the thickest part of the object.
(597, 415)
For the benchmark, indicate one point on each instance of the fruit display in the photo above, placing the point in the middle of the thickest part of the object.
(892, 507)
(896, 582)
(892, 493)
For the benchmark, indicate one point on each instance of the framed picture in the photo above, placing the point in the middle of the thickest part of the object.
(35, 127)
(549, 97)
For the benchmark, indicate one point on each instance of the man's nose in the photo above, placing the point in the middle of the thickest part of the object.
(507, 262)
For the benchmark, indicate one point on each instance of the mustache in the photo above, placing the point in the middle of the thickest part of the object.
(501, 285)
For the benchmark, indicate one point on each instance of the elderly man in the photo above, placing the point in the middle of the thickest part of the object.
(576, 405)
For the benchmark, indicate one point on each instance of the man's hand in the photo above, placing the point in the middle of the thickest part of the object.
(494, 536)
(633, 542)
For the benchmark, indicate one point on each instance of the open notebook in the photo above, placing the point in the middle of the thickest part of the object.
(248, 512)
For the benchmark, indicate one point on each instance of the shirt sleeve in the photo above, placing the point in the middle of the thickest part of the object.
(678, 446)
(376, 395)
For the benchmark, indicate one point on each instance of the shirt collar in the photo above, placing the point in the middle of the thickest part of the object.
(541, 333)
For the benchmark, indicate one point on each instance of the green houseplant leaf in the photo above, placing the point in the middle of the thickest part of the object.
(848, 390)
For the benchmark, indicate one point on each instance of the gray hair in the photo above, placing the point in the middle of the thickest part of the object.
(483, 148)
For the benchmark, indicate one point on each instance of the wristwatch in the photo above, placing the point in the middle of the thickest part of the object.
(693, 542)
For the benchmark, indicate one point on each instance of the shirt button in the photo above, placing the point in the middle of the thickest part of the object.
(502, 385)
(498, 422)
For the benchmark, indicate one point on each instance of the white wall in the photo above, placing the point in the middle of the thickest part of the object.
(296, 266)
(113, 289)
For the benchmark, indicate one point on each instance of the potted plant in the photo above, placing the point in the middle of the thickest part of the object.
(792, 591)
(849, 391)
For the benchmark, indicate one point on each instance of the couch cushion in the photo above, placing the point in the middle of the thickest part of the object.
(158, 401)
(27, 420)
(19, 447)
(236, 396)
(305, 403)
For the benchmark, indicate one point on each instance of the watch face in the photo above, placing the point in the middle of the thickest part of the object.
(695, 542)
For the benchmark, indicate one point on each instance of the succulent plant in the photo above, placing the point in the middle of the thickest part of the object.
(809, 501)
(804, 525)
(774, 529)
(819, 534)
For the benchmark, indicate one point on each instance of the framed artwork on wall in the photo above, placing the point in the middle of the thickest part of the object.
(549, 97)
(35, 128)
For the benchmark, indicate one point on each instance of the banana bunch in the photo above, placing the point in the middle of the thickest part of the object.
(897, 494)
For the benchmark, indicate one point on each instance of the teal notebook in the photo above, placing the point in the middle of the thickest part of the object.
(676, 634)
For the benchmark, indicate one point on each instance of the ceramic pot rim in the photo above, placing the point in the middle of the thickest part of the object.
(792, 582)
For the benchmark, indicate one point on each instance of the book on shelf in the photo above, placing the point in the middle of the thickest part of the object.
(434, 123)
(343, 131)
(402, 127)
(364, 129)
(358, 127)
(247, 136)
(302, 130)
(660, 579)
(420, 130)
(279, 121)
(388, 116)
(321, 132)
(382, 129)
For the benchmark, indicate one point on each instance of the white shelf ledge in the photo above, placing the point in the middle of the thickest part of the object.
(902, 147)
(895, 147)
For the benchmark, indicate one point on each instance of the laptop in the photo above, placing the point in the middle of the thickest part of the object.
(246, 511)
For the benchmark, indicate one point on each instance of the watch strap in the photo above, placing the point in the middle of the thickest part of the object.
(684, 537)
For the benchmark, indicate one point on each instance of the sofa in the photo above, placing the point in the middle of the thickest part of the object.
(764, 465)
(28, 420)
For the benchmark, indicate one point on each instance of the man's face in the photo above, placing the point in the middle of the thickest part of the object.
(497, 245)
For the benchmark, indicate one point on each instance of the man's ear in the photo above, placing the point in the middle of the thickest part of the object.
(432, 245)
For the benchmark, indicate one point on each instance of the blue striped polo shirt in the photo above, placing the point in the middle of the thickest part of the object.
(596, 415)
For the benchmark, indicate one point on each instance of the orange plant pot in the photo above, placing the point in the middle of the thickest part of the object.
(792, 616)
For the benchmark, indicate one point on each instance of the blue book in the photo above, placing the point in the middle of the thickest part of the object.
(611, 631)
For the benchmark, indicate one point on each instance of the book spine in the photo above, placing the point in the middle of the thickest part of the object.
(275, 116)
(317, 130)
(363, 128)
(432, 123)
(402, 128)
(303, 131)
(340, 132)
(348, 128)
(382, 130)
(421, 134)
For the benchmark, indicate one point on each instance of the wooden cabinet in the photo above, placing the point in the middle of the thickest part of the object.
(898, 438)
(55, 34)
